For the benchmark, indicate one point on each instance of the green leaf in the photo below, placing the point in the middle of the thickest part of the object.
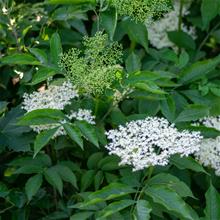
(172, 182)
(55, 48)
(87, 179)
(42, 74)
(53, 178)
(215, 91)
(74, 133)
(99, 177)
(149, 107)
(42, 139)
(198, 70)
(182, 39)
(143, 210)
(187, 163)
(33, 185)
(92, 161)
(209, 10)
(150, 86)
(39, 54)
(192, 113)
(88, 132)
(109, 163)
(113, 208)
(168, 108)
(9, 128)
(70, 1)
(171, 201)
(206, 132)
(112, 191)
(3, 106)
(29, 169)
(212, 210)
(66, 174)
(137, 32)
(20, 59)
(117, 117)
(81, 216)
(4, 191)
(108, 21)
(133, 63)
(41, 116)
(183, 59)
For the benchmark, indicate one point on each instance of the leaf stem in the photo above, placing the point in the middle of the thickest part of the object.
(139, 194)
(180, 21)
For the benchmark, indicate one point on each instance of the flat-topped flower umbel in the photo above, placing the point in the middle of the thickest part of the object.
(151, 142)
(54, 97)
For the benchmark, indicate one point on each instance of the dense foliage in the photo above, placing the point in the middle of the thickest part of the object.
(110, 109)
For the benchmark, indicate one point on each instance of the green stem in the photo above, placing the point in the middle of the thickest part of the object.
(180, 16)
(106, 114)
(115, 25)
(6, 209)
(139, 194)
(132, 46)
(180, 21)
(151, 169)
(207, 37)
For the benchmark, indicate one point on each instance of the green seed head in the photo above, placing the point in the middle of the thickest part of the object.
(95, 68)
(141, 10)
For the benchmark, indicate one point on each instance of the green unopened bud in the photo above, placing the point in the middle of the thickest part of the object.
(141, 10)
(94, 69)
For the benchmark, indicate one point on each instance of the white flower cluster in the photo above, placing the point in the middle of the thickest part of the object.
(83, 115)
(150, 142)
(54, 97)
(39, 128)
(211, 122)
(157, 31)
(209, 154)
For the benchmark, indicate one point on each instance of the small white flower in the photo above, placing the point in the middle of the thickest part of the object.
(157, 31)
(150, 142)
(209, 154)
(12, 21)
(82, 114)
(4, 10)
(54, 97)
(19, 73)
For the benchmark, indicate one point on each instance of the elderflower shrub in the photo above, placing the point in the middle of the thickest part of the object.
(141, 10)
(157, 31)
(94, 69)
(150, 142)
(209, 154)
